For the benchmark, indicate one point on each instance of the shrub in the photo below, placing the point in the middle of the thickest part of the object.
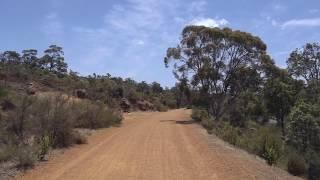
(230, 134)
(314, 169)
(270, 147)
(18, 121)
(79, 138)
(199, 114)
(53, 117)
(61, 124)
(169, 101)
(7, 153)
(303, 128)
(296, 165)
(26, 157)
(208, 124)
(162, 108)
(45, 144)
(95, 116)
(3, 92)
(113, 117)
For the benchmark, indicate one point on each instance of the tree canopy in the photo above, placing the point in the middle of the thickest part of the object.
(305, 62)
(219, 62)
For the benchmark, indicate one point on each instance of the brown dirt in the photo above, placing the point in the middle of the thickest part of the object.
(155, 145)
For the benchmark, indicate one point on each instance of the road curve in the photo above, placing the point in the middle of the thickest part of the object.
(153, 146)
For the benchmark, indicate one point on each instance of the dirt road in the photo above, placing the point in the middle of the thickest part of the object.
(155, 146)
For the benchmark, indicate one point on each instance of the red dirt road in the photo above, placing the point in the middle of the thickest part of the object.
(155, 146)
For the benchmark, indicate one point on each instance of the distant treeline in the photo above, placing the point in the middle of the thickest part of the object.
(52, 70)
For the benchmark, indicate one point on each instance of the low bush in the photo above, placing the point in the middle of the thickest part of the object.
(264, 142)
(40, 123)
(7, 153)
(95, 116)
(314, 169)
(162, 108)
(26, 157)
(207, 123)
(296, 165)
(3, 92)
(79, 138)
(45, 144)
(230, 134)
(199, 114)
(269, 146)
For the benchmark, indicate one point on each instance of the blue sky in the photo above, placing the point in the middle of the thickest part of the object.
(129, 38)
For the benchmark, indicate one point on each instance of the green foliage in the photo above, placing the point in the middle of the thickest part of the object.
(10, 57)
(79, 138)
(18, 121)
(244, 108)
(7, 153)
(169, 99)
(305, 63)
(53, 60)
(243, 93)
(45, 144)
(203, 117)
(3, 92)
(230, 134)
(270, 147)
(218, 62)
(50, 70)
(279, 95)
(26, 157)
(60, 122)
(303, 127)
(199, 114)
(52, 119)
(91, 115)
(314, 169)
(161, 108)
(296, 165)
(208, 123)
(270, 155)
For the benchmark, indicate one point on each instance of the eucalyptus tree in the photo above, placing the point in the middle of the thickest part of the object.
(305, 62)
(53, 60)
(29, 57)
(216, 62)
(279, 95)
(10, 57)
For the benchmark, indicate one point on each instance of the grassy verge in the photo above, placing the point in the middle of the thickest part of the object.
(264, 141)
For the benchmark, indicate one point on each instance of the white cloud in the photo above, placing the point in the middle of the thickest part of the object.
(209, 22)
(312, 22)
